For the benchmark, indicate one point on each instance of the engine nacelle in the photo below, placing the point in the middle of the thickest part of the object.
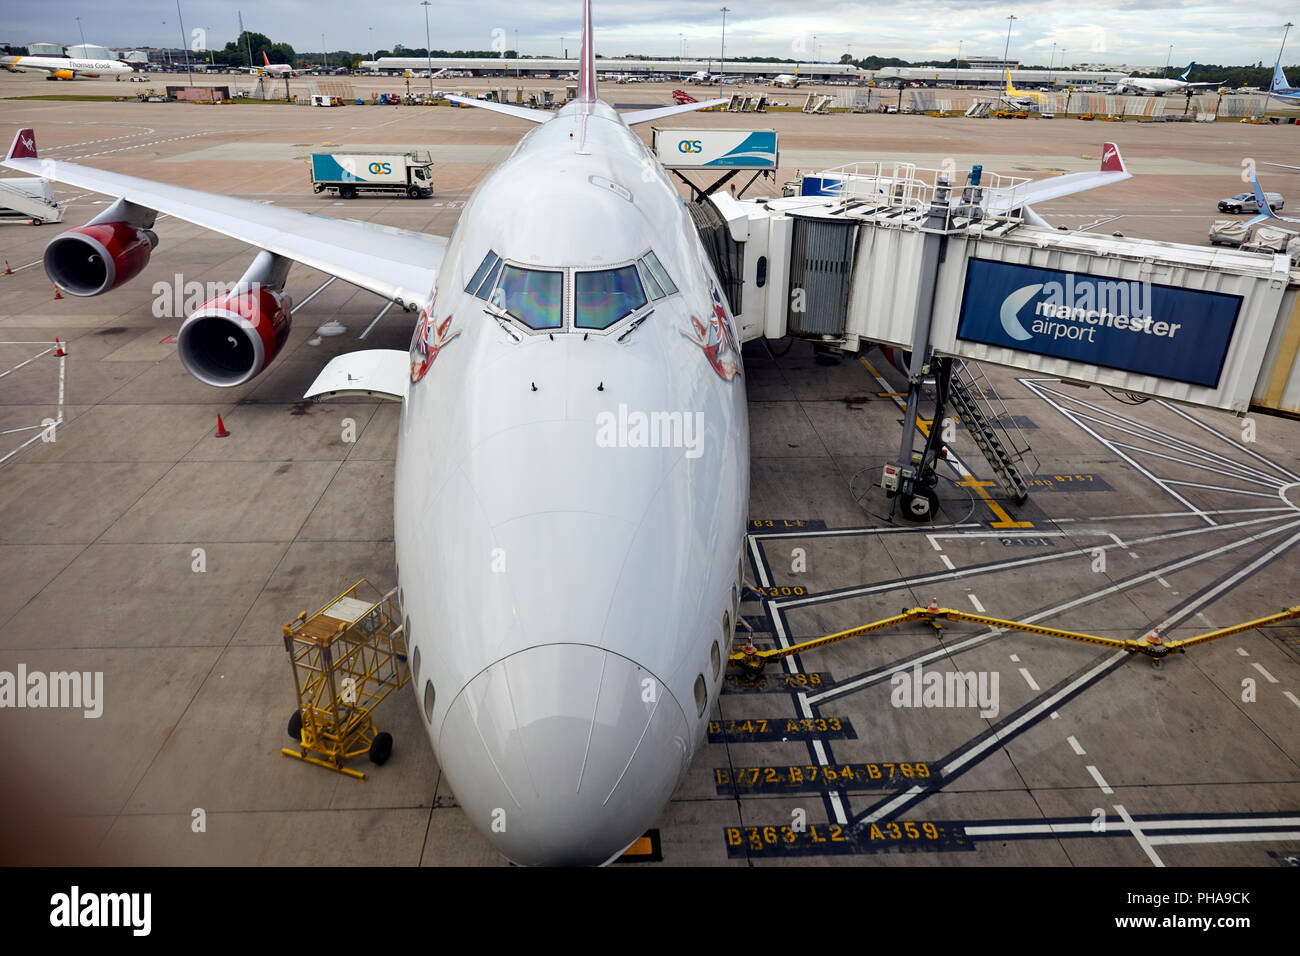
(98, 256)
(232, 338)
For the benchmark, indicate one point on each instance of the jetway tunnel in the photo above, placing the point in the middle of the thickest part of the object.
(909, 262)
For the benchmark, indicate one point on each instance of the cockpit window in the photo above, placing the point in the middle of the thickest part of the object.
(533, 296)
(489, 264)
(656, 269)
(603, 297)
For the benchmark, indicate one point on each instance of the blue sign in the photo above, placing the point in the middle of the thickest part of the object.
(1166, 331)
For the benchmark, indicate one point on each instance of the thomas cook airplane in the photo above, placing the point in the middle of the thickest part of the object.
(66, 67)
(572, 467)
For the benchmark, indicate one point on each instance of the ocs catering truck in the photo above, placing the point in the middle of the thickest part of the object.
(350, 173)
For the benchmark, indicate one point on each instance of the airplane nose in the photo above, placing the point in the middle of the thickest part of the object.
(563, 754)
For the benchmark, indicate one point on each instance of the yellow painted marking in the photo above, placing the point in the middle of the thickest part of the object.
(1004, 520)
(642, 847)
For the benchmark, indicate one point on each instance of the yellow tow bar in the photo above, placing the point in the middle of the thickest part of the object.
(751, 660)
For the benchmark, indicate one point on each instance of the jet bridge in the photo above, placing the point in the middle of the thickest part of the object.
(890, 254)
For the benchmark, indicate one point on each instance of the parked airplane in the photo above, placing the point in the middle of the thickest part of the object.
(572, 463)
(790, 80)
(66, 67)
(1281, 87)
(1021, 98)
(273, 69)
(1159, 87)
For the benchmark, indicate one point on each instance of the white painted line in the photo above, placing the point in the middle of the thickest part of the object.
(1161, 581)
(1267, 676)
(1291, 697)
(321, 289)
(1101, 781)
(1015, 658)
(1029, 680)
(1242, 651)
(975, 603)
(1186, 838)
(1138, 835)
(1075, 744)
(947, 562)
(1055, 715)
(934, 543)
(382, 313)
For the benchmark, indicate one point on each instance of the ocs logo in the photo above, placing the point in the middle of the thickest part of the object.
(378, 168)
(690, 146)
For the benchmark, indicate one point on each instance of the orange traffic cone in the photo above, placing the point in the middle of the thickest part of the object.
(1154, 636)
(8, 271)
(934, 605)
(221, 428)
(59, 351)
(57, 293)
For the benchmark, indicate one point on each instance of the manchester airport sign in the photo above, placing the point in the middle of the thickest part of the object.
(1142, 327)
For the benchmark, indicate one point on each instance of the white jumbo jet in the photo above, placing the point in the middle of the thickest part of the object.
(790, 80)
(1160, 86)
(66, 67)
(572, 465)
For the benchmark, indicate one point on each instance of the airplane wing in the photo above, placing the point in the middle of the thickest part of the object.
(1112, 170)
(509, 109)
(632, 117)
(395, 263)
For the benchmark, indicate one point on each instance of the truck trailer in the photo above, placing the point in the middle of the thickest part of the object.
(349, 173)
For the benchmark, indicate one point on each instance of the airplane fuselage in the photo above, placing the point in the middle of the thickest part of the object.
(570, 495)
(66, 68)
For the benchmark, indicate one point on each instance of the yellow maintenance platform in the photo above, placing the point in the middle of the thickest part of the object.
(346, 659)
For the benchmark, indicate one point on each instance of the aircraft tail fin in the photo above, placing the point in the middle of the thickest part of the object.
(264, 59)
(1187, 72)
(1265, 211)
(1279, 78)
(587, 65)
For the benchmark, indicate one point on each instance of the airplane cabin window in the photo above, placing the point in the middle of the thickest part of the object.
(415, 664)
(428, 701)
(489, 261)
(760, 280)
(715, 658)
(660, 274)
(533, 296)
(601, 298)
(701, 694)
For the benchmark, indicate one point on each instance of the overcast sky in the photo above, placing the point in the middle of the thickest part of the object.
(1136, 32)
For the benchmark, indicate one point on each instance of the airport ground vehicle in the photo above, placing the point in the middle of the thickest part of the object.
(1245, 202)
(350, 173)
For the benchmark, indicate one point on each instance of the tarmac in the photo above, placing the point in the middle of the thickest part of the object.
(140, 546)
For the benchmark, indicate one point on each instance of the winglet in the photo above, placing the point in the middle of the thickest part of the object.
(587, 67)
(24, 145)
(1111, 160)
(1261, 204)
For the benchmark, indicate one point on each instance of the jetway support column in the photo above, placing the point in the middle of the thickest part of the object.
(912, 477)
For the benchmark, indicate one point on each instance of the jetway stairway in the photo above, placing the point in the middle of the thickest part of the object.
(28, 200)
(999, 439)
(952, 269)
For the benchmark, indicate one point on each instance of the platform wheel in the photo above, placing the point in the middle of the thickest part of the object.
(295, 726)
(381, 748)
(920, 505)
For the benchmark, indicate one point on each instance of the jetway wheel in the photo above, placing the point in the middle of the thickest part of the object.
(920, 505)
(381, 748)
(295, 726)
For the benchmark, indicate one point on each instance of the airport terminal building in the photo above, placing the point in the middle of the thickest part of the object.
(497, 66)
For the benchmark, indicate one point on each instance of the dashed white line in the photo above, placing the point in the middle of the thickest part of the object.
(947, 561)
(1075, 744)
(1029, 680)
(1267, 676)
(1243, 652)
(975, 603)
(1015, 658)
(1101, 781)
(1291, 697)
